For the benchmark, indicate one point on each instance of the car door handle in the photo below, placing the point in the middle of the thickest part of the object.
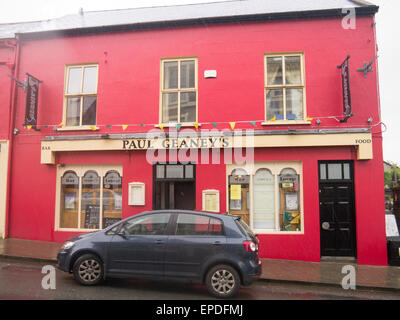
(217, 243)
(159, 241)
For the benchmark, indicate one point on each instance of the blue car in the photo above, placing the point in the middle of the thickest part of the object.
(217, 250)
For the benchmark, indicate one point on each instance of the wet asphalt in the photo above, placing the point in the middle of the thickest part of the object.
(22, 280)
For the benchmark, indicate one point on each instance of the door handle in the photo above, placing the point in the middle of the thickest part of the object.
(217, 243)
(159, 241)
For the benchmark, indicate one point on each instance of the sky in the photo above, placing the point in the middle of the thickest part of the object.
(388, 35)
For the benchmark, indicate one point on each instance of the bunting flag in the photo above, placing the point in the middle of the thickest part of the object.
(109, 127)
(45, 126)
(309, 119)
(196, 125)
(253, 123)
(124, 126)
(273, 119)
(232, 124)
(61, 124)
(214, 124)
(29, 127)
(142, 125)
(93, 128)
(178, 126)
(160, 126)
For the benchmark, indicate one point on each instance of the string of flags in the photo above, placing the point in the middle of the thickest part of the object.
(178, 126)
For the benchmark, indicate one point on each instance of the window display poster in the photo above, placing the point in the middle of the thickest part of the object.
(210, 202)
(291, 201)
(69, 201)
(236, 192)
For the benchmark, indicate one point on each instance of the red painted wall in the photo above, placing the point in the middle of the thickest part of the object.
(128, 93)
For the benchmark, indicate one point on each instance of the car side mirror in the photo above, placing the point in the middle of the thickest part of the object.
(121, 233)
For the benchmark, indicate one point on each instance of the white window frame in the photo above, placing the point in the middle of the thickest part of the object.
(80, 171)
(275, 167)
(67, 95)
(284, 87)
(179, 90)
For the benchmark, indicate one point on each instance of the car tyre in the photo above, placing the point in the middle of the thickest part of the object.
(222, 281)
(88, 270)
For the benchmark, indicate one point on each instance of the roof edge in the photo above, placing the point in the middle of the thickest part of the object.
(295, 15)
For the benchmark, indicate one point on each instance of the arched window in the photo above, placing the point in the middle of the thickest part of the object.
(239, 200)
(289, 196)
(69, 200)
(264, 200)
(112, 198)
(90, 203)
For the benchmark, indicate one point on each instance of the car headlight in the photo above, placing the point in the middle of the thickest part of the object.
(67, 245)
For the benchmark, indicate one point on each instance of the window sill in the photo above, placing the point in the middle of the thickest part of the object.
(286, 122)
(78, 128)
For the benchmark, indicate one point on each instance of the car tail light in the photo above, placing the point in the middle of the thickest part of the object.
(250, 246)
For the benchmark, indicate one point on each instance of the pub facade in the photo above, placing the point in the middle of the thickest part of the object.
(240, 107)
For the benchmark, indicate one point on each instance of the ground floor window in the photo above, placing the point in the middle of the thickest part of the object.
(90, 197)
(268, 196)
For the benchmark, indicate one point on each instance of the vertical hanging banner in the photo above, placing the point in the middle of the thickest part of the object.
(346, 89)
(32, 94)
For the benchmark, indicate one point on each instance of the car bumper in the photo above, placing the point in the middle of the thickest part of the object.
(63, 261)
(254, 274)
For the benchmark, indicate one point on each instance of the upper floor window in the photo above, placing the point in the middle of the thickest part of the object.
(80, 96)
(178, 90)
(284, 87)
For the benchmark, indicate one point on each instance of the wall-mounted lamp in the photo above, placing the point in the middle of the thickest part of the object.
(16, 131)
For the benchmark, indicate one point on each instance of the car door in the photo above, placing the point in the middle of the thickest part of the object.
(197, 238)
(139, 246)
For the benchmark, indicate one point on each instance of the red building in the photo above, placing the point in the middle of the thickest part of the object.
(181, 84)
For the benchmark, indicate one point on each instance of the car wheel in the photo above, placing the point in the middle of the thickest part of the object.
(88, 270)
(223, 281)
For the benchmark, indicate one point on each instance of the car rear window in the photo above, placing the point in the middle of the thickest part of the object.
(196, 225)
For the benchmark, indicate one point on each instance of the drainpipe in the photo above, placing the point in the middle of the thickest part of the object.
(11, 123)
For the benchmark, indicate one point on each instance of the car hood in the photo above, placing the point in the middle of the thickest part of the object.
(83, 236)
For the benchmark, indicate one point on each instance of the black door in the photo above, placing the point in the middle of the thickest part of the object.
(337, 213)
(174, 186)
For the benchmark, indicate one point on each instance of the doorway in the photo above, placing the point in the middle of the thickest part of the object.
(174, 186)
(337, 210)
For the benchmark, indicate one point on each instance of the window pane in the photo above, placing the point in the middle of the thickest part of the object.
(264, 200)
(175, 171)
(289, 200)
(90, 203)
(294, 104)
(155, 224)
(171, 75)
(192, 225)
(169, 107)
(74, 80)
(112, 198)
(275, 104)
(346, 171)
(90, 80)
(187, 74)
(69, 200)
(215, 228)
(89, 110)
(73, 111)
(274, 71)
(160, 171)
(293, 70)
(334, 171)
(188, 107)
(189, 172)
(322, 171)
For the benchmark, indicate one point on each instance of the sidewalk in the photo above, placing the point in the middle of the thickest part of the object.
(273, 270)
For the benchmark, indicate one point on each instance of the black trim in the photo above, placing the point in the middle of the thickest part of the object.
(296, 15)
